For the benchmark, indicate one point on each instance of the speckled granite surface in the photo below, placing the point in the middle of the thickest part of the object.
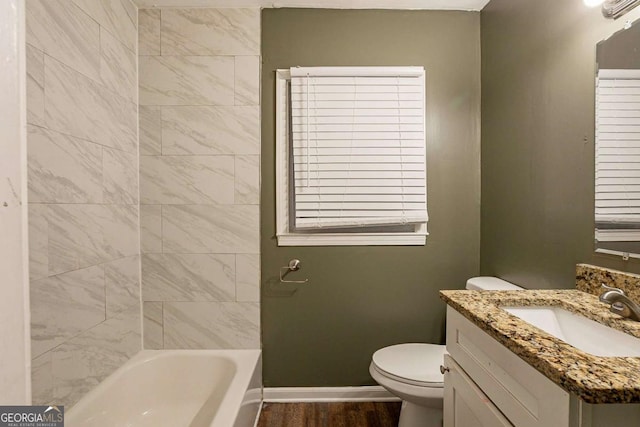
(589, 278)
(594, 379)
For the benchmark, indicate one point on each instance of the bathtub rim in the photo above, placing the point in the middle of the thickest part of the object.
(246, 361)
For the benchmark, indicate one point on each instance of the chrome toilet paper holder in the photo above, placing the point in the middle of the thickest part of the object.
(294, 265)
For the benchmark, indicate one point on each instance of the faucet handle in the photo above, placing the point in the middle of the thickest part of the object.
(609, 288)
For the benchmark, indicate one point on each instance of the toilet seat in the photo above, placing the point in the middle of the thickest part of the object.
(415, 364)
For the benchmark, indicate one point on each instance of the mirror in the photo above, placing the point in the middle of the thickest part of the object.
(617, 192)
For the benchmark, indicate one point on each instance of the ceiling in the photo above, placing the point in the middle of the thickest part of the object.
(323, 4)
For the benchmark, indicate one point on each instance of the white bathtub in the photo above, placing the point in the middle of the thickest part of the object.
(176, 388)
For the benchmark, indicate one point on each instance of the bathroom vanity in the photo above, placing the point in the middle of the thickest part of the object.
(502, 370)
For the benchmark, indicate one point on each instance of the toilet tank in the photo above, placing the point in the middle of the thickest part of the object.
(488, 283)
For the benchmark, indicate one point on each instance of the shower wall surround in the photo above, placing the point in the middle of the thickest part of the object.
(199, 177)
(83, 193)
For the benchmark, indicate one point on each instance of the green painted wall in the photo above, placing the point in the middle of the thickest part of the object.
(538, 71)
(360, 299)
(621, 50)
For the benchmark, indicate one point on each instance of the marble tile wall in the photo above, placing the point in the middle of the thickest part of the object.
(82, 100)
(199, 177)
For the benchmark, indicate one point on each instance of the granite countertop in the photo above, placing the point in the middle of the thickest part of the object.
(594, 379)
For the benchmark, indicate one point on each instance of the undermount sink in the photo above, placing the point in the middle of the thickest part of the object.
(582, 333)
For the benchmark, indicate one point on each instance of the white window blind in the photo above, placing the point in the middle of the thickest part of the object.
(358, 146)
(617, 154)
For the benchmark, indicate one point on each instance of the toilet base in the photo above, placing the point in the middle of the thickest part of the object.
(412, 415)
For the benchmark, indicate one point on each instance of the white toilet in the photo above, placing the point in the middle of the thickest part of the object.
(412, 371)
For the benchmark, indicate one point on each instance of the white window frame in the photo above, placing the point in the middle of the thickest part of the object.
(284, 235)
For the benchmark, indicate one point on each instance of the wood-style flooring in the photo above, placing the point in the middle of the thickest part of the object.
(338, 414)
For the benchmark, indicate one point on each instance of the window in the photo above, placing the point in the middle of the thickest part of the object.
(617, 202)
(351, 156)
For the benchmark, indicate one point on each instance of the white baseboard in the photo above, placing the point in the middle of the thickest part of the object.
(328, 394)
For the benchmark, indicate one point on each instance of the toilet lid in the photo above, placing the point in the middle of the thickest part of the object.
(413, 362)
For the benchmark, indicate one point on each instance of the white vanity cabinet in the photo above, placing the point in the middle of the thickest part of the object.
(487, 385)
(485, 380)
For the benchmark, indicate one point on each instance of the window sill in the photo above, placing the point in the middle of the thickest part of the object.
(352, 239)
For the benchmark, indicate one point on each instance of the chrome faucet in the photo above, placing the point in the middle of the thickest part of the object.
(620, 303)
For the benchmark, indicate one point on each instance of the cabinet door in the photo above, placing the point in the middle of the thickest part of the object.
(465, 405)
